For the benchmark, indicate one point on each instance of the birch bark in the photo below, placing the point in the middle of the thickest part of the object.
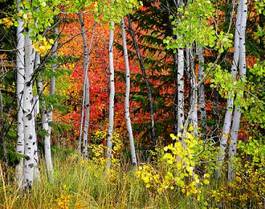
(47, 115)
(86, 95)
(230, 101)
(202, 109)
(242, 74)
(28, 115)
(180, 90)
(127, 95)
(111, 97)
(194, 95)
(20, 91)
(45, 125)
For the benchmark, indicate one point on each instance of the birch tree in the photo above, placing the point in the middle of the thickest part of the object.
(28, 115)
(201, 100)
(230, 101)
(180, 90)
(86, 96)
(127, 94)
(44, 123)
(20, 91)
(47, 115)
(111, 96)
(242, 74)
(36, 172)
(194, 95)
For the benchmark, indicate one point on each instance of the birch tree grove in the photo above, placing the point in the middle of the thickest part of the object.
(167, 110)
(127, 94)
(111, 96)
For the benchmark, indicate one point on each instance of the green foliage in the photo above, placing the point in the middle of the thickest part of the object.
(39, 15)
(114, 10)
(225, 83)
(192, 26)
(254, 108)
(260, 6)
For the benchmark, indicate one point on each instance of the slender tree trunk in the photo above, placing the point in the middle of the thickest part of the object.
(48, 115)
(36, 172)
(242, 74)
(48, 112)
(45, 124)
(28, 115)
(111, 96)
(20, 91)
(202, 109)
(149, 90)
(180, 82)
(86, 86)
(127, 95)
(230, 101)
(85, 114)
(194, 95)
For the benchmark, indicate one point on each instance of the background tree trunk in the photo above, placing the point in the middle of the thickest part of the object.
(149, 90)
(127, 95)
(202, 109)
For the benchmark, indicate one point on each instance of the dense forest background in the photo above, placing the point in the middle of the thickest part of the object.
(132, 104)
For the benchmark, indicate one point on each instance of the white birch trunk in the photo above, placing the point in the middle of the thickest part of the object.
(194, 95)
(47, 140)
(230, 101)
(20, 91)
(242, 73)
(45, 125)
(111, 96)
(202, 109)
(36, 172)
(86, 95)
(28, 115)
(127, 95)
(180, 96)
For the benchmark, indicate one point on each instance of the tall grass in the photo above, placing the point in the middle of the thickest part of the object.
(84, 184)
(81, 184)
